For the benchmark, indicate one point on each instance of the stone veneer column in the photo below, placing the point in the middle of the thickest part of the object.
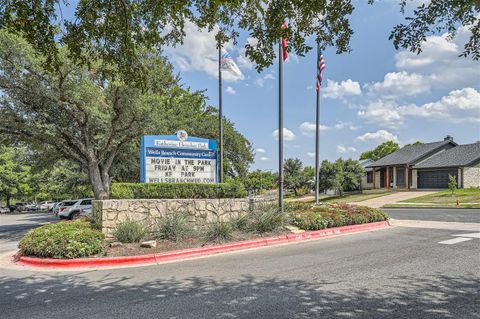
(459, 179)
(414, 179)
(394, 177)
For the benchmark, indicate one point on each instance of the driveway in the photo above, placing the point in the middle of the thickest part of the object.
(378, 202)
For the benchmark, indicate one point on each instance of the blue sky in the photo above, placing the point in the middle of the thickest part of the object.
(371, 95)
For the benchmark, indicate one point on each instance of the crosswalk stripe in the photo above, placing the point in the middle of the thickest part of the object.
(454, 241)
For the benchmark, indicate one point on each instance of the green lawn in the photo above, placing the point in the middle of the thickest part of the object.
(351, 198)
(464, 196)
(347, 198)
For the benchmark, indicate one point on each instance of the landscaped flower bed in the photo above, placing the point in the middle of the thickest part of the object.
(81, 239)
(315, 217)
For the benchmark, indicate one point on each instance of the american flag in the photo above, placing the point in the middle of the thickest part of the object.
(320, 68)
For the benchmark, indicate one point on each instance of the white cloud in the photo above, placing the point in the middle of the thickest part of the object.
(242, 60)
(199, 53)
(378, 136)
(336, 90)
(440, 61)
(340, 125)
(310, 87)
(287, 134)
(382, 112)
(397, 84)
(264, 158)
(345, 149)
(458, 106)
(308, 128)
(260, 80)
(230, 90)
(311, 154)
(260, 150)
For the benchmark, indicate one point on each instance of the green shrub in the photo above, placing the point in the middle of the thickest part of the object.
(130, 231)
(63, 240)
(176, 190)
(314, 217)
(266, 218)
(219, 231)
(94, 222)
(174, 227)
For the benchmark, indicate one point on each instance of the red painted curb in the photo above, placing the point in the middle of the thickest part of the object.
(193, 252)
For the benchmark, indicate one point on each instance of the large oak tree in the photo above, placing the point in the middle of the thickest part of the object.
(90, 117)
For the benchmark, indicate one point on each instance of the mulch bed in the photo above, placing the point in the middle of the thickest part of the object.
(195, 242)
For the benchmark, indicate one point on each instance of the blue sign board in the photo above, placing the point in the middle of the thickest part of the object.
(178, 159)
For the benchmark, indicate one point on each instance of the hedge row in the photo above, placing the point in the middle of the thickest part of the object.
(315, 217)
(180, 190)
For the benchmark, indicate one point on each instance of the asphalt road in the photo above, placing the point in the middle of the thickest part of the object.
(394, 273)
(14, 226)
(436, 214)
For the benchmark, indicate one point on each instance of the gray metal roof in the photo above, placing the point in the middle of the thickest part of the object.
(461, 155)
(409, 154)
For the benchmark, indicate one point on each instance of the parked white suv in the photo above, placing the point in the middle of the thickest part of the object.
(75, 208)
(46, 205)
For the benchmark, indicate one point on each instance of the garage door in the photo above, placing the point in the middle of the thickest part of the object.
(435, 179)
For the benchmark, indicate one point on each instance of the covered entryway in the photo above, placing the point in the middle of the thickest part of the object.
(435, 178)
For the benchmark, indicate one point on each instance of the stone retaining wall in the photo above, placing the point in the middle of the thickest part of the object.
(200, 212)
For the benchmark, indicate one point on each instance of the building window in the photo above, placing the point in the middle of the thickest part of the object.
(369, 177)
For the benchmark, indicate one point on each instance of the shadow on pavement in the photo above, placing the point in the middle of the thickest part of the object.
(68, 296)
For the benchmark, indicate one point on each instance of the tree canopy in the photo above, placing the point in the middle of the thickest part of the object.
(260, 180)
(439, 16)
(341, 175)
(119, 30)
(380, 151)
(89, 117)
(298, 178)
(14, 173)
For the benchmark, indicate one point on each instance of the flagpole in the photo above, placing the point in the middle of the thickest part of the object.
(317, 136)
(220, 115)
(280, 126)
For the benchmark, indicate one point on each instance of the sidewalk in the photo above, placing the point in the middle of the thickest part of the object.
(393, 198)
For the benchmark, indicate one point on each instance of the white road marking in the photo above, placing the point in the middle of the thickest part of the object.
(471, 235)
(454, 241)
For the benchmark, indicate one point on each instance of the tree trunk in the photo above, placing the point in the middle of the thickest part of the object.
(99, 186)
(8, 201)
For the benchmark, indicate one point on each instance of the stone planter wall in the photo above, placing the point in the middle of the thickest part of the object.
(200, 212)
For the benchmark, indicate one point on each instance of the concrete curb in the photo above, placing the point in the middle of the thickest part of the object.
(193, 252)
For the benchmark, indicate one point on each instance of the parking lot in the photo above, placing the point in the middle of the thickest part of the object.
(14, 226)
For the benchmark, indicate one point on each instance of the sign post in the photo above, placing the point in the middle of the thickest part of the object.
(178, 159)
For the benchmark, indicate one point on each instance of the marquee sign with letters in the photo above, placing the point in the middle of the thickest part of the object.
(178, 159)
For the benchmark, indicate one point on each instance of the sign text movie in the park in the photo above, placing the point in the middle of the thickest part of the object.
(177, 159)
